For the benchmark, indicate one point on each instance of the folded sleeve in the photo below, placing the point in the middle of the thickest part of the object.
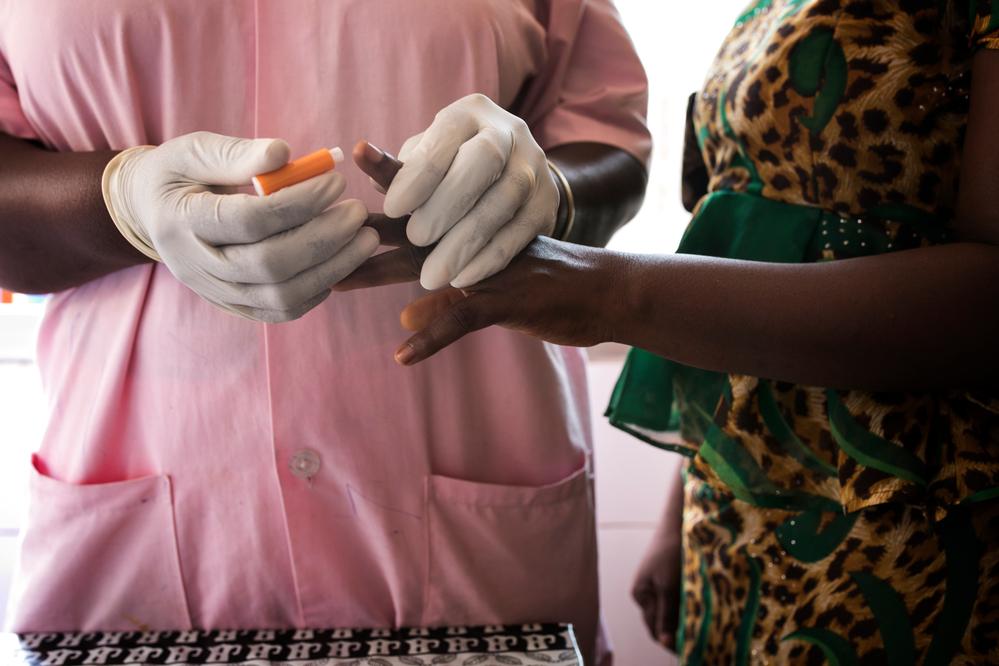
(985, 24)
(12, 118)
(593, 87)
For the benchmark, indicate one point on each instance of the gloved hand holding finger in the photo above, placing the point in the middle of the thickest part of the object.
(429, 159)
(478, 227)
(476, 163)
(260, 257)
(395, 266)
(408, 145)
(507, 242)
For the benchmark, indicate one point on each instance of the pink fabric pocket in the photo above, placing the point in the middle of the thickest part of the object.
(99, 557)
(509, 554)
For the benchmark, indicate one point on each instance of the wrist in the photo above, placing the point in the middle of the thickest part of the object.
(114, 186)
(608, 281)
(623, 296)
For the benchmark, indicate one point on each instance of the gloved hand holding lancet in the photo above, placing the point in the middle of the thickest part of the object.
(269, 258)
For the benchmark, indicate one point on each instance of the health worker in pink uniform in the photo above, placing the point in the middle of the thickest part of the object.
(231, 443)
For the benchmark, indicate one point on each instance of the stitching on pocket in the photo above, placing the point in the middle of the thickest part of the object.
(67, 501)
(470, 493)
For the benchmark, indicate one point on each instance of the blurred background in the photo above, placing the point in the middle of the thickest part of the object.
(677, 41)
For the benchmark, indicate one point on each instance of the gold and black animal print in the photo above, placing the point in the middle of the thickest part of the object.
(827, 526)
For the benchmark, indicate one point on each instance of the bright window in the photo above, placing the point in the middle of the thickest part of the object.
(677, 42)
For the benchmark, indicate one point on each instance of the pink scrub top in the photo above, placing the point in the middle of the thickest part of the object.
(201, 470)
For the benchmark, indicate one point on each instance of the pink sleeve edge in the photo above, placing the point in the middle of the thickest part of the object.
(12, 119)
(562, 126)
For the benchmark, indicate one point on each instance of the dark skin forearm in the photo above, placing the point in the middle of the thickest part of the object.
(608, 186)
(918, 319)
(924, 318)
(56, 230)
(915, 319)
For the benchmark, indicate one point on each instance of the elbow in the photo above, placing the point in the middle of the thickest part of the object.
(24, 272)
(23, 282)
(638, 180)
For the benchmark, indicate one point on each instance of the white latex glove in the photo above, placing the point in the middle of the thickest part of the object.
(477, 182)
(269, 258)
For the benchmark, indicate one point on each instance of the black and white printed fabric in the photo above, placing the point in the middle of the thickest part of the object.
(523, 645)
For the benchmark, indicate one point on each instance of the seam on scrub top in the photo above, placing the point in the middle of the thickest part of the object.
(256, 69)
(277, 479)
(428, 535)
(267, 345)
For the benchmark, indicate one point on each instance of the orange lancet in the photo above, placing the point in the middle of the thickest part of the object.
(305, 167)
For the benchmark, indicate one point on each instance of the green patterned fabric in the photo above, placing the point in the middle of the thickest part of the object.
(654, 397)
(830, 526)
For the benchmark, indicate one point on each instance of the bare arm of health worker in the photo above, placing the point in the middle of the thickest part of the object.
(266, 258)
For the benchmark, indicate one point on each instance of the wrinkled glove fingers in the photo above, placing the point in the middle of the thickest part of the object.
(466, 239)
(503, 246)
(277, 316)
(292, 293)
(479, 163)
(215, 159)
(227, 219)
(284, 255)
(428, 162)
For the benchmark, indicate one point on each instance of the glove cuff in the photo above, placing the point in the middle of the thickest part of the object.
(117, 205)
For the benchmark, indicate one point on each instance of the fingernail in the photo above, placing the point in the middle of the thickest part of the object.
(373, 153)
(405, 354)
(461, 282)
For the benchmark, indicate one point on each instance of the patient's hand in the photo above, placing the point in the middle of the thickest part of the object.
(478, 188)
(555, 291)
(559, 292)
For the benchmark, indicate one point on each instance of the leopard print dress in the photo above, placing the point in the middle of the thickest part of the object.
(821, 526)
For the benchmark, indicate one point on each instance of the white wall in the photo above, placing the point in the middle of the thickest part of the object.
(633, 479)
(677, 42)
(22, 418)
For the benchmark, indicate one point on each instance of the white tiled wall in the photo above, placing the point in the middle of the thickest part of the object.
(22, 417)
(677, 42)
(632, 482)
